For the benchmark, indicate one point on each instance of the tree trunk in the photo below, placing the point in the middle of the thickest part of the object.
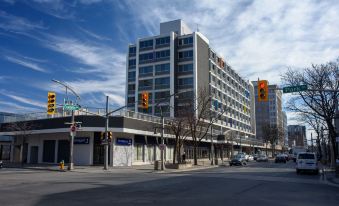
(175, 150)
(332, 138)
(195, 154)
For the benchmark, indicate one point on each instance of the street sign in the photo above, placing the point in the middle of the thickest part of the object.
(297, 88)
(71, 107)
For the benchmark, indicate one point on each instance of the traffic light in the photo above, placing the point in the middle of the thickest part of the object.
(144, 100)
(110, 135)
(51, 103)
(262, 91)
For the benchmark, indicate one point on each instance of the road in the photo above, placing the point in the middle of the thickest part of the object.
(263, 184)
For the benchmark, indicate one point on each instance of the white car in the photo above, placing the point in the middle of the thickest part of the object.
(307, 161)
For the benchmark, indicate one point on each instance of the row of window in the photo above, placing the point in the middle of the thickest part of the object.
(159, 69)
(185, 41)
(150, 56)
(158, 42)
(161, 41)
(185, 54)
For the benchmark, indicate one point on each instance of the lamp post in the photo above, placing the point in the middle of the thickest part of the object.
(72, 133)
(162, 156)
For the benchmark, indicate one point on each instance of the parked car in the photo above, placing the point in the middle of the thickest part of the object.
(307, 161)
(280, 158)
(250, 157)
(239, 159)
(262, 158)
(255, 156)
(1, 165)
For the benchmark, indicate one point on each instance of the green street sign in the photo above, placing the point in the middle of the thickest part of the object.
(71, 107)
(298, 88)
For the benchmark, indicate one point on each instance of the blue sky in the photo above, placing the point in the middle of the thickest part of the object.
(84, 42)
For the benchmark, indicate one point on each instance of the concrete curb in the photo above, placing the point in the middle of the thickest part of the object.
(169, 171)
(329, 180)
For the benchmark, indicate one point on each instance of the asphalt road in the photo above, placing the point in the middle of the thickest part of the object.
(263, 184)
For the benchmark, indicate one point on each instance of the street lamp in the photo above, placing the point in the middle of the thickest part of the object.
(72, 133)
(163, 129)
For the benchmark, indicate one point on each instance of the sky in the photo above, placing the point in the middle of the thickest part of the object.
(84, 42)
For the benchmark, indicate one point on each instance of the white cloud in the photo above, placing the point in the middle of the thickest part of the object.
(24, 100)
(14, 23)
(257, 38)
(23, 62)
(15, 108)
(99, 58)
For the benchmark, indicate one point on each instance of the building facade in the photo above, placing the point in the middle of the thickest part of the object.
(269, 112)
(179, 61)
(285, 128)
(296, 136)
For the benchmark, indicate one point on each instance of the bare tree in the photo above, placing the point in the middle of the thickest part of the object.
(199, 117)
(316, 123)
(272, 134)
(322, 82)
(21, 131)
(180, 130)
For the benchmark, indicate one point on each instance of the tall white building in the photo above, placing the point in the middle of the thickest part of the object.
(180, 60)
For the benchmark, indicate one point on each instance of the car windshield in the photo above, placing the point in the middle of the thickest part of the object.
(306, 156)
(238, 156)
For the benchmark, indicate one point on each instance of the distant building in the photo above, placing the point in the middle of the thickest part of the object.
(296, 135)
(285, 128)
(180, 60)
(270, 111)
(5, 141)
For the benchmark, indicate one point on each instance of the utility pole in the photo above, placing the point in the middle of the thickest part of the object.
(212, 146)
(162, 140)
(71, 164)
(106, 136)
(312, 142)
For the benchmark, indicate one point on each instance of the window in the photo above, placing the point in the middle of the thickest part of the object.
(145, 57)
(138, 152)
(185, 68)
(185, 95)
(186, 54)
(132, 50)
(146, 71)
(186, 41)
(131, 100)
(162, 69)
(131, 62)
(131, 76)
(162, 83)
(131, 88)
(162, 54)
(162, 41)
(185, 83)
(146, 44)
(146, 84)
(162, 95)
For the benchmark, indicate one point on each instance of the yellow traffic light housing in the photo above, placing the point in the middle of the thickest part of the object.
(262, 91)
(51, 103)
(144, 100)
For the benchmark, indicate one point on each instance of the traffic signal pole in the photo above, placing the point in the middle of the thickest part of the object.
(106, 136)
(71, 164)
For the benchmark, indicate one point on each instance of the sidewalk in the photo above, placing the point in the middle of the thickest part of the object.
(330, 176)
(100, 169)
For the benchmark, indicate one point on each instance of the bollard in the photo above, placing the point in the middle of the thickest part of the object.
(62, 165)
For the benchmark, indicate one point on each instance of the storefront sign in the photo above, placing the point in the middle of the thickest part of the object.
(81, 140)
(124, 141)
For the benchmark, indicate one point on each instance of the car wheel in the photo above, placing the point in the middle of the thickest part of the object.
(230, 164)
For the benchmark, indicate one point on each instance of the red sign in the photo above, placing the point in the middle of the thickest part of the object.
(73, 128)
